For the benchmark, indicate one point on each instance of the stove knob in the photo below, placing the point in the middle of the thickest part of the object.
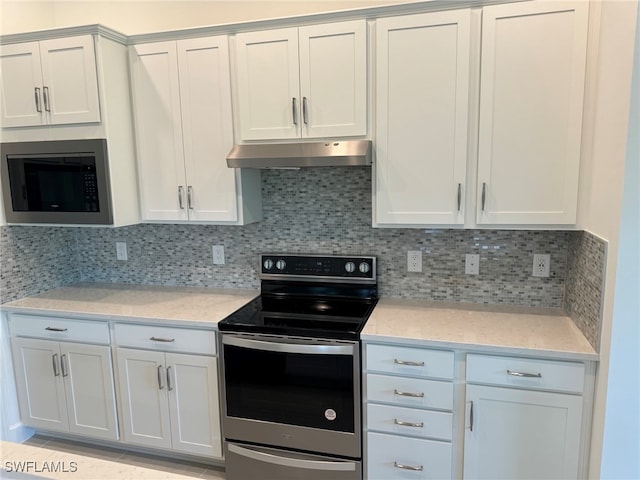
(280, 264)
(350, 267)
(364, 267)
(268, 264)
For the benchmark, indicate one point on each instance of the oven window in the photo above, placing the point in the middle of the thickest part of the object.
(309, 390)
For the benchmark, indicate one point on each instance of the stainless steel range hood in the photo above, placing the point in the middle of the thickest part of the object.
(341, 153)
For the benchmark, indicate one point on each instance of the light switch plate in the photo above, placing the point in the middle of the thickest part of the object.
(121, 251)
(218, 254)
(472, 264)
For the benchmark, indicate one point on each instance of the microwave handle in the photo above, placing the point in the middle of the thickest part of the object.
(281, 347)
(323, 465)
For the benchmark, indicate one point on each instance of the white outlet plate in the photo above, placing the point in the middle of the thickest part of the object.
(121, 251)
(414, 261)
(541, 264)
(472, 264)
(218, 254)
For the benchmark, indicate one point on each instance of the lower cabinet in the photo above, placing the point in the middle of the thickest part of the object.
(526, 422)
(169, 400)
(63, 386)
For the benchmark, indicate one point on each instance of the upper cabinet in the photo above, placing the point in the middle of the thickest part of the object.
(307, 82)
(422, 85)
(531, 96)
(184, 130)
(49, 82)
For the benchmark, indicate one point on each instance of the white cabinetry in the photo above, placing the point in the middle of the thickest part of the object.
(422, 86)
(409, 419)
(524, 418)
(305, 82)
(531, 96)
(64, 385)
(49, 82)
(184, 128)
(530, 76)
(168, 399)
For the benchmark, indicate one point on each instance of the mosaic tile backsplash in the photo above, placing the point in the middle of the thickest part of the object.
(309, 211)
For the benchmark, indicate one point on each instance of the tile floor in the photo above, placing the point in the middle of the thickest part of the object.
(162, 464)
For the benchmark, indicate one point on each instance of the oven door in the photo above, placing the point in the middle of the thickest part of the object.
(250, 461)
(292, 392)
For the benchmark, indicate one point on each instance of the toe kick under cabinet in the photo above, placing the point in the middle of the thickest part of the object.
(409, 412)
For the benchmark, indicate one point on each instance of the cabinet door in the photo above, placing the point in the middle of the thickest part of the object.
(143, 397)
(531, 94)
(156, 97)
(333, 79)
(70, 81)
(520, 434)
(39, 384)
(90, 394)
(205, 94)
(422, 73)
(268, 84)
(193, 401)
(21, 85)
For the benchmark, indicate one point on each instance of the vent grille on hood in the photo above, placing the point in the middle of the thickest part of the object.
(349, 153)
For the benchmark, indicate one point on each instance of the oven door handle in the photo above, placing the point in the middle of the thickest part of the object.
(288, 347)
(335, 466)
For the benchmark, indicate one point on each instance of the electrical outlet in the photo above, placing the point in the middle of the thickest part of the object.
(414, 261)
(121, 251)
(472, 264)
(218, 254)
(541, 264)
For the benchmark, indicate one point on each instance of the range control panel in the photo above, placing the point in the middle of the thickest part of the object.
(316, 267)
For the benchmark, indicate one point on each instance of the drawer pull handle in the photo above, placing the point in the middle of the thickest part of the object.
(160, 339)
(414, 468)
(56, 329)
(407, 362)
(408, 394)
(402, 423)
(524, 375)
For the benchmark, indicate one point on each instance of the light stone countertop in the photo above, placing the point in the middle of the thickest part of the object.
(479, 328)
(203, 307)
(470, 327)
(21, 461)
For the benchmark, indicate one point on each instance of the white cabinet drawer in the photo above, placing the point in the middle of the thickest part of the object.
(525, 372)
(410, 361)
(421, 459)
(414, 392)
(410, 421)
(163, 338)
(56, 328)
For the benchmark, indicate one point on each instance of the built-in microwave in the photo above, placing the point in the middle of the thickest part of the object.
(56, 182)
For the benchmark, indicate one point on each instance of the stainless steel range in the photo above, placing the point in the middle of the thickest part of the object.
(291, 370)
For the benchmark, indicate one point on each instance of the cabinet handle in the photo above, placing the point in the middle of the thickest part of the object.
(45, 93)
(408, 363)
(160, 386)
(414, 468)
(37, 98)
(524, 375)
(63, 365)
(190, 197)
(54, 360)
(408, 394)
(304, 110)
(56, 329)
(402, 423)
(459, 196)
(294, 110)
(169, 387)
(181, 197)
(484, 194)
(471, 417)
(160, 339)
